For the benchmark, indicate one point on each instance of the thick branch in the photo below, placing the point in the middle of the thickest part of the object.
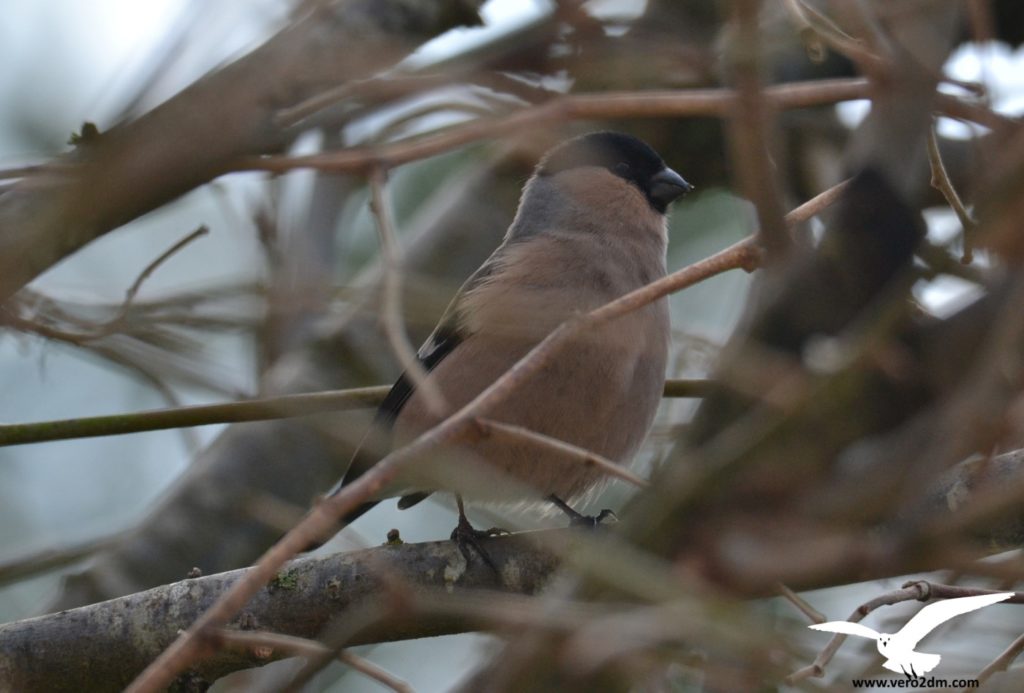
(112, 641)
(138, 166)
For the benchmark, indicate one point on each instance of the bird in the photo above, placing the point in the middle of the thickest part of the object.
(898, 648)
(590, 227)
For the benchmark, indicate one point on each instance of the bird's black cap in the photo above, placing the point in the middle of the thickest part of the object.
(625, 156)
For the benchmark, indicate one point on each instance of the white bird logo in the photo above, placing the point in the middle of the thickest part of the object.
(898, 648)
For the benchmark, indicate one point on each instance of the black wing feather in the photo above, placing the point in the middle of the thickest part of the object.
(448, 335)
(441, 343)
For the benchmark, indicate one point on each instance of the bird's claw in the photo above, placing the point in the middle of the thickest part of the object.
(577, 519)
(467, 537)
(604, 517)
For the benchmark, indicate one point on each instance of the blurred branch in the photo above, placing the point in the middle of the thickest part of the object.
(1002, 662)
(917, 590)
(133, 290)
(391, 308)
(492, 65)
(941, 182)
(314, 596)
(189, 140)
(16, 569)
(263, 646)
(752, 132)
(490, 427)
(692, 103)
(605, 105)
(93, 332)
(809, 19)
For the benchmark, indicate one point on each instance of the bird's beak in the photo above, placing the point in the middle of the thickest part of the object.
(667, 185)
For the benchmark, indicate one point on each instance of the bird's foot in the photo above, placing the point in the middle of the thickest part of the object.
(467, 537)
(577, 519)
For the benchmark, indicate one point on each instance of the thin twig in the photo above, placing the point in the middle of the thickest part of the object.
(920, 590)
(114, 323)
(940, 181)
(810, 19)
(23, 567)
(264, 644)
(816, 205)
(22, 171)
(568, 450)
(750, 131)
(687, 387)
(391, 314)
(200, 415)
(316, 402)
(107, 328)
(606, 105)
(802, 605)
(981, 21)
(1002, 662)
(263, 409)
(152, 266)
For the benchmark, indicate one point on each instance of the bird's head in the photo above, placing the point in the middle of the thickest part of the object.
(592, 157)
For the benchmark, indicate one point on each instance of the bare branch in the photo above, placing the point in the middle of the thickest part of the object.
(567, 450)
(113, 640)
(802, 605)
(136, 167)
(603, 106)
(1002, 662)
(919, 590)
(263, 409)
(751, 131)
(43, 561)
(264, 644)
(940, 181)
(392, 304)
(200, 415)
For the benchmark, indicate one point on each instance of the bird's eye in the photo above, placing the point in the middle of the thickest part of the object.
(621, 169)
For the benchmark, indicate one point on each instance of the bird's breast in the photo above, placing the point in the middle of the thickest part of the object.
(600, 391)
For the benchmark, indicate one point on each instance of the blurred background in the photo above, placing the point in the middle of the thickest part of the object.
(235, 312)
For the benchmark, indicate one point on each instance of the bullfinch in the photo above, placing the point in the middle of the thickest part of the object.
(590, 227)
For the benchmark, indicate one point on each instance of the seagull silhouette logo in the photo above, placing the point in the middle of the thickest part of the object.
(898, 648)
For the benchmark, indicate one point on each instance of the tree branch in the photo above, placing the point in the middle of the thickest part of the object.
(114, 640)
(265, 645)
(190, 139)
(262, 409)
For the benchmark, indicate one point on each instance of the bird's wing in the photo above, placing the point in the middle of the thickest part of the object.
(929, 618)
(448, 334)
(846, 628)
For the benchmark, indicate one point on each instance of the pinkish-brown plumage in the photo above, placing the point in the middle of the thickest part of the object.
(589, 229)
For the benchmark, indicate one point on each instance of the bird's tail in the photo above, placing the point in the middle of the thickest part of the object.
(342, 523)
(356, 468)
